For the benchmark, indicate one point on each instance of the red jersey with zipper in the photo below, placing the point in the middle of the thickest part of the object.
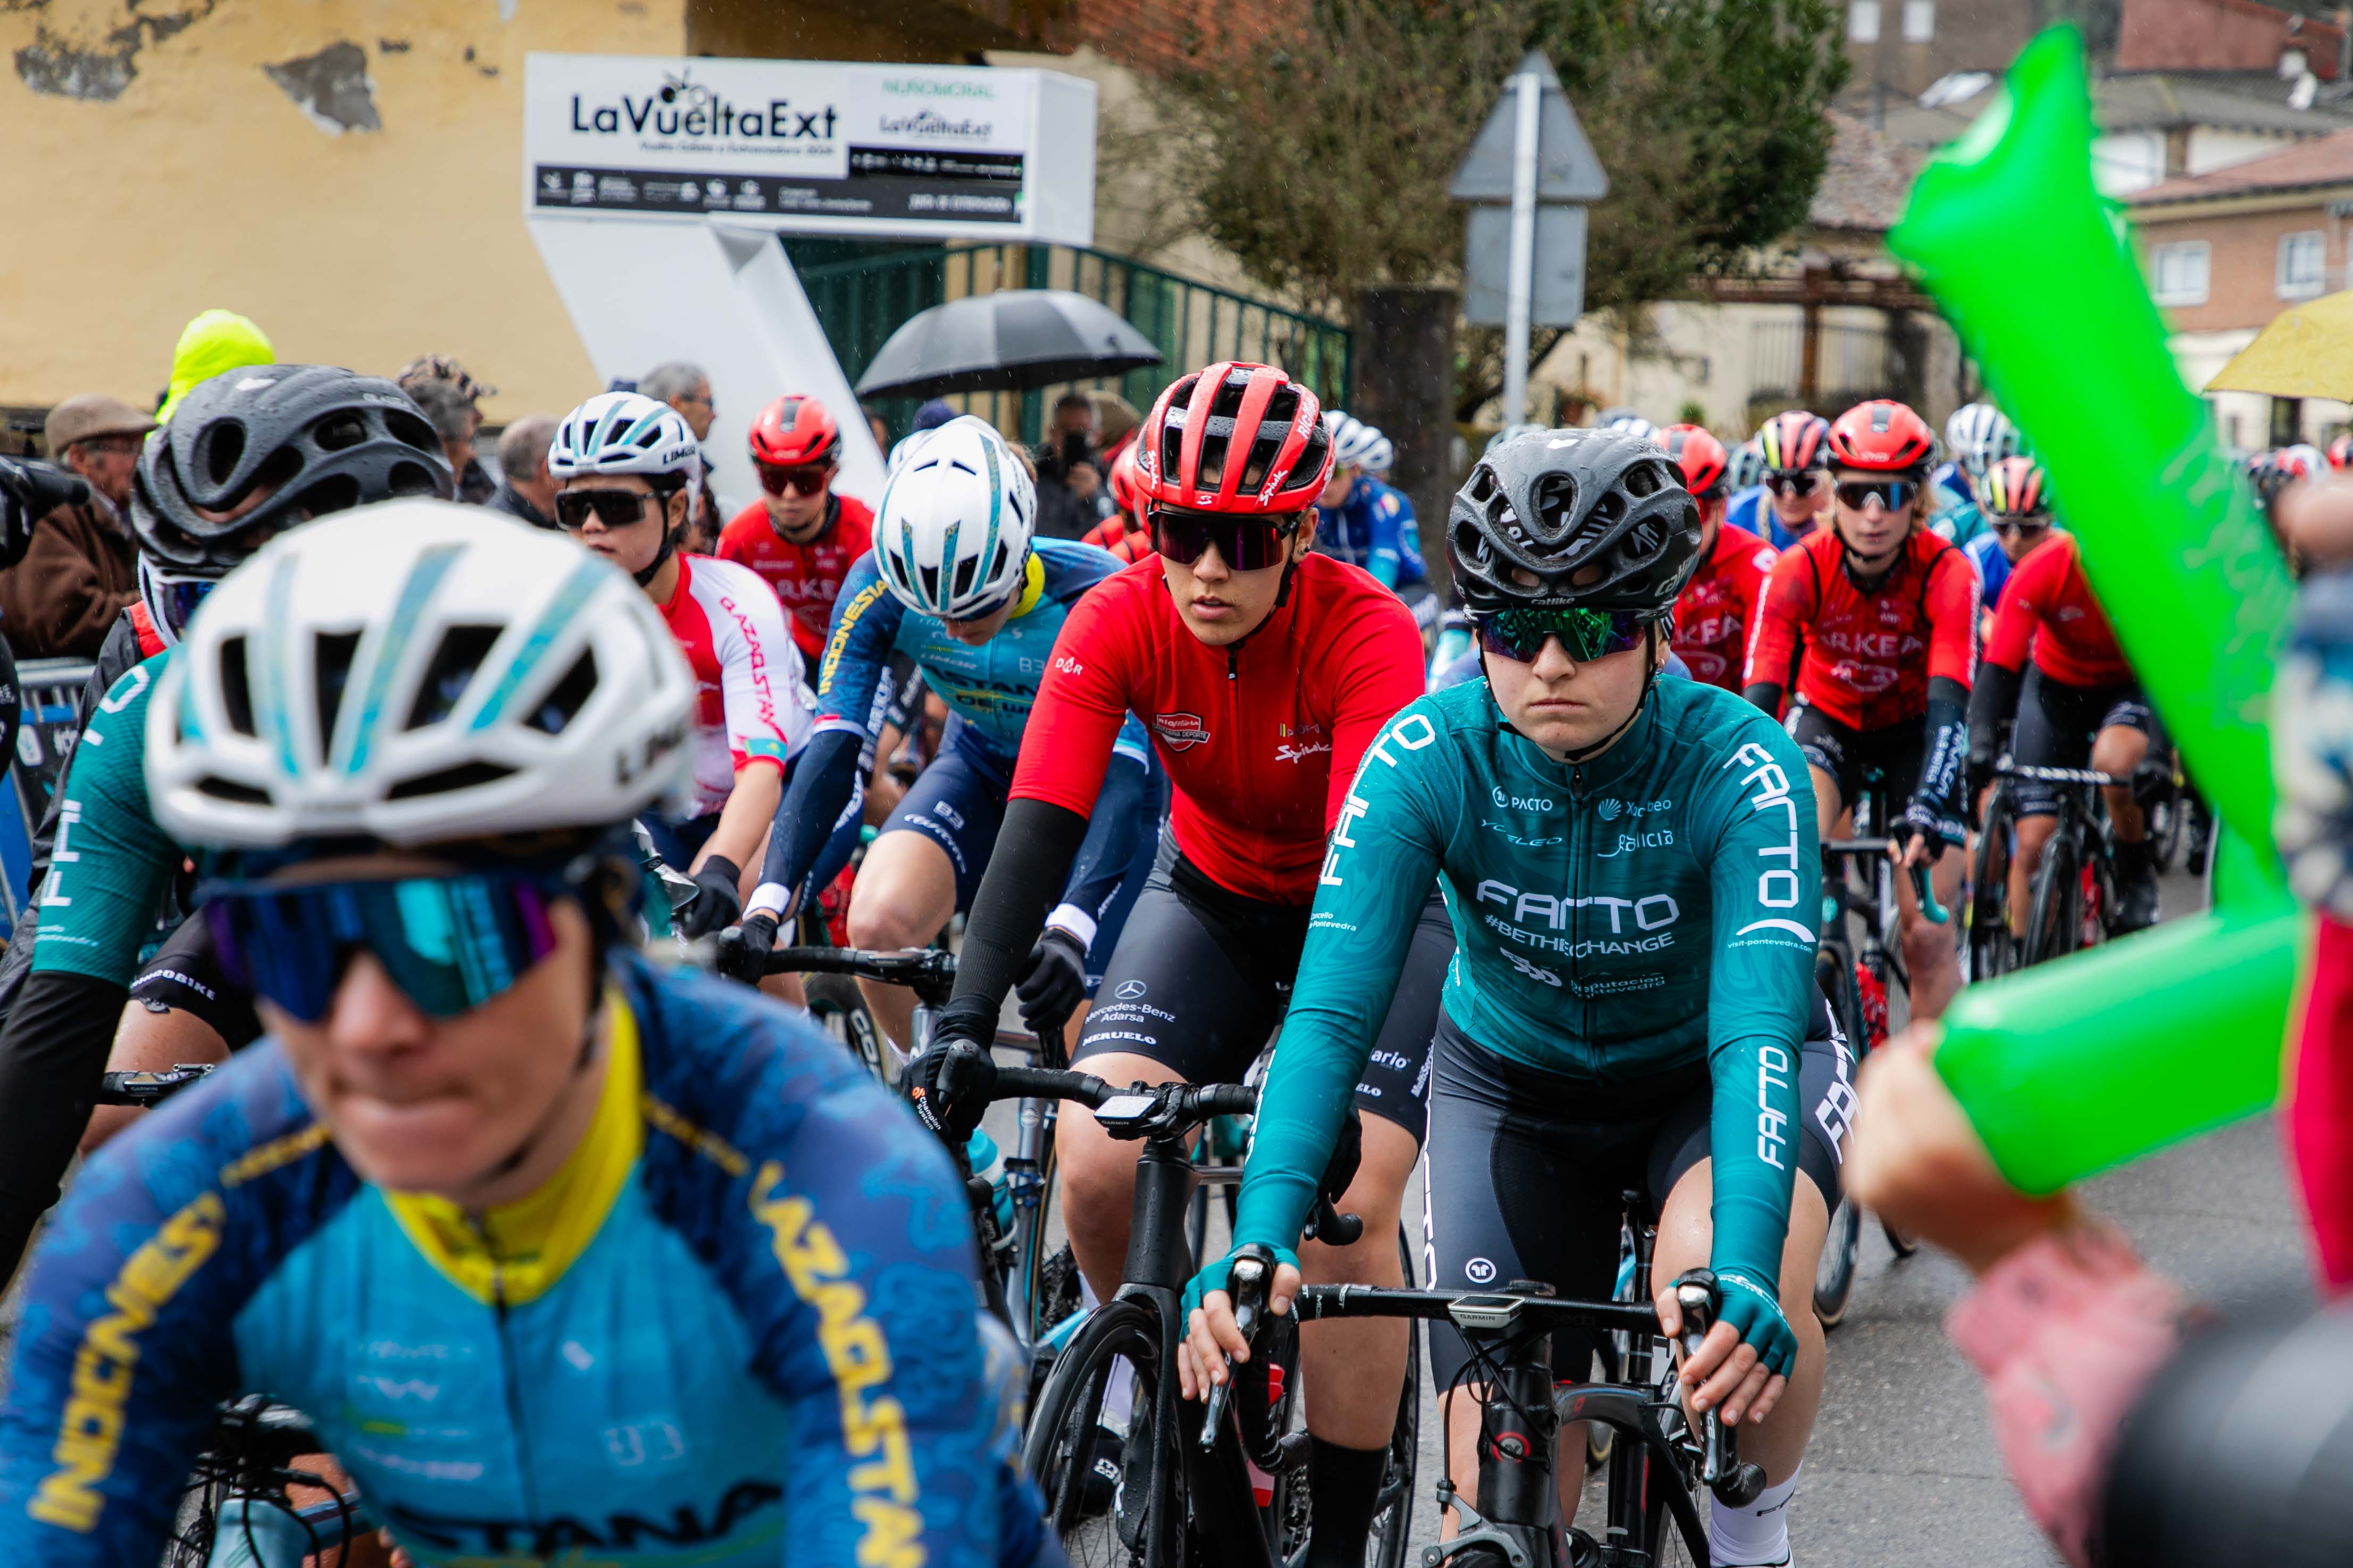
(2047, 603)
(1865, 657)
(1713, 612)
(1261, 740)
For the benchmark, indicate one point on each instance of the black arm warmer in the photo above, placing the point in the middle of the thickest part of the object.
(1025, 877)
(1993, 699)
(1947, 742)
(52, 1050)
(1764, 694)
(825, 776)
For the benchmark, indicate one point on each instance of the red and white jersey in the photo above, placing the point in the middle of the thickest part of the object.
(752, 704)
(806, 577)
(1713, 612)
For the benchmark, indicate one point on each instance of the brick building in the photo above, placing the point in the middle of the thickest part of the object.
(2227, 251)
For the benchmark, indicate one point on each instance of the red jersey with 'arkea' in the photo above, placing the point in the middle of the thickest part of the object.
(1713, 612)
(2047, 603)
(1261, 740)
(806, 577)
(1865, 658)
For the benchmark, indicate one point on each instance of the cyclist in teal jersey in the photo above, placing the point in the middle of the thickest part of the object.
(568, 1259)
(1631, 868)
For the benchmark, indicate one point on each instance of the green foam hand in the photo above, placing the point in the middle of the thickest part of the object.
(2103, 1056)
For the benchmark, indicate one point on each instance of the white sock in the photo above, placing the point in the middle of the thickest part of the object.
(1754, 1536)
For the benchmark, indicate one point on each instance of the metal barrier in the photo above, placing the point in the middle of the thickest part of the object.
(861, 303)
(48, 724)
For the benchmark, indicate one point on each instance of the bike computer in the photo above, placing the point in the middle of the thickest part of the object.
(1125, 1108)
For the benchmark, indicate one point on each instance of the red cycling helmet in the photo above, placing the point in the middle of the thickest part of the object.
(1881, 436)
(2015, 486)
(1234, 437)
(2341, 452)
(1126, 493)
(1700, 457)
(1793, 441)
(796, 432)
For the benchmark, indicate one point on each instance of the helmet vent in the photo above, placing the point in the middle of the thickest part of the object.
(454, 662)
(338, 431)
(411, 480)
(331, 657)
(997, 563)
(1643, 479)
(930, 575)
(571, 694)
(411, 430)
(237, 689)
(448, 781)
(229, 790)
(221, 443)
(966, 569)
(1263, 454)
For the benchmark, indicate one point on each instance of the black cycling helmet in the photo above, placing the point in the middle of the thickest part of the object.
(320, 438)
(1594, 520)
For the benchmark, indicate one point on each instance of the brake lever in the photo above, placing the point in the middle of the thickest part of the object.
(1737, 1484)
(1247, 1282)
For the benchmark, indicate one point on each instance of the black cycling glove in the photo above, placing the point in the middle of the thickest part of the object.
(1053, 982)
(717, 903)
(950, 1086)
(744, 949)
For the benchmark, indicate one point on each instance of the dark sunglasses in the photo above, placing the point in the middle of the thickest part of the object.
(613, 509)
(1244, 544)
(805, 481)
(1585, 635)
(450, 943)
(1892, 494)
(1794, 482)
(2022, 525)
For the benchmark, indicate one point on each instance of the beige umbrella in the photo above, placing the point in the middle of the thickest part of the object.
(2305, 353)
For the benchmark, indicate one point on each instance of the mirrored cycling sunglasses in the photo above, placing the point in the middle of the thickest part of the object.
(1794, 482)
(613, 509)
(802, 481)
(1889, 493)
(1585, 635)
(2025, 527)
(450, 943)
(1244, 544)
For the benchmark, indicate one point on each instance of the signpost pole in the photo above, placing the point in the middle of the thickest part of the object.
(1522, 282)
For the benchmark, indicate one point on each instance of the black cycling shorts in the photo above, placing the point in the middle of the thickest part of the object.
(1202, 976)
(1528, 1169)
(1850, 756)
(185, 976)
(2057, 724)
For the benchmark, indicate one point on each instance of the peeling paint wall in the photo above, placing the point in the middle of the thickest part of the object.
(345, 172)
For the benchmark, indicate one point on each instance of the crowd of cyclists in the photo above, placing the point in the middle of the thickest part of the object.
(564, 1251)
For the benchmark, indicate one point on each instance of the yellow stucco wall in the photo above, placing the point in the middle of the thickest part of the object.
(203, 184)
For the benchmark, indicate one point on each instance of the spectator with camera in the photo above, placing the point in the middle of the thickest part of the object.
(81, 567)
(1071, 496)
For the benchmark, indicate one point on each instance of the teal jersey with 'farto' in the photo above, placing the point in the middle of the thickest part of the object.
(1614, 921)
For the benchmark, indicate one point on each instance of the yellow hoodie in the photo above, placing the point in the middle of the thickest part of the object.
(215, 342)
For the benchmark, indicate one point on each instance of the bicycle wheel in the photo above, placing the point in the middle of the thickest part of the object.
(839, 1009)
(1992, 952)
(2056, 922)
(1393, 1514)
(2168, 821)
(1834, 1274)
(1100, 1492)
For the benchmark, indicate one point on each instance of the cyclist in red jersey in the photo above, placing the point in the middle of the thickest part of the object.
(1712, 613)
(1264, 673)
(1794, 446)
(1869, 628)
(801, 537)
(2078, 704)
(1124, 532)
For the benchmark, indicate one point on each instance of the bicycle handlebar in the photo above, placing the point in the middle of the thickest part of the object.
(2009, 770)
(929, 972)
(144, 1089)
(1930, 910)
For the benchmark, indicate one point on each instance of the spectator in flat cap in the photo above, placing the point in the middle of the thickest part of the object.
(82, 568)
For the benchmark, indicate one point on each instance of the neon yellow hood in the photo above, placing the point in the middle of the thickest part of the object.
(215, 342)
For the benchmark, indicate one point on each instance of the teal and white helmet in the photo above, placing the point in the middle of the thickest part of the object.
(624, 433)
(1978, 435)
(951, 536)
(418, 672)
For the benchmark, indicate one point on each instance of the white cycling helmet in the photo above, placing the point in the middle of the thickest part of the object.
(418, 672)
(1352, 440)
(951, 536)
(1978, 435)
(624, 433)
(1633, 425)
(1380, 457)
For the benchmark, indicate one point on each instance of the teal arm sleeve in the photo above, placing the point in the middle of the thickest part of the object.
(1765, 883)
(1383, 854)
(112, 865)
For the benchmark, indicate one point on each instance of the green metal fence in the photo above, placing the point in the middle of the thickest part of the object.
(861, 300)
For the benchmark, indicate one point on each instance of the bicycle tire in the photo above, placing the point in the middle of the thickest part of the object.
(2168, 822)
(1168, 1531)
(839, 1009)
(1834, 1273)
(2057, 918)
(1993, 950)
(1393, 1513)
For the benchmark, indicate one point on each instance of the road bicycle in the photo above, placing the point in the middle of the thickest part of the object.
(1158, 1486)
(1859, 890)
(2075, 889)
(1652, 1467)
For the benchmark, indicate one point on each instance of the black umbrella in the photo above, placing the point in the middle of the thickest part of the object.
(1010, 340)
